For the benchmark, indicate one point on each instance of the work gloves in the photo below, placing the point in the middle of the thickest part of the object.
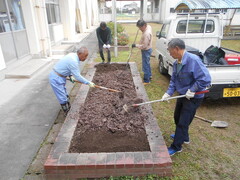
(165, 96)
(72, 79)
(189, 94)
(106, 46)
(91, 84)
(133, 45)
(137, 45)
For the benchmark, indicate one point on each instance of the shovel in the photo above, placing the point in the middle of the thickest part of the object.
(126, 108)
(218, 124)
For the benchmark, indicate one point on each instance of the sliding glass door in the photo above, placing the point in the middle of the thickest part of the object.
(13, 36)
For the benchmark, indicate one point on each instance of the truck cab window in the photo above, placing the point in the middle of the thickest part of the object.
(164, 30)
(195, 26)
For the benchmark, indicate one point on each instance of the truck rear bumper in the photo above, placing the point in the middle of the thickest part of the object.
(223, 91)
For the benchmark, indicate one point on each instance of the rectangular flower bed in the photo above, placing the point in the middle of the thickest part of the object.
(100, 139)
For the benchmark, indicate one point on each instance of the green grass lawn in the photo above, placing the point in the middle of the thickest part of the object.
(212, 153)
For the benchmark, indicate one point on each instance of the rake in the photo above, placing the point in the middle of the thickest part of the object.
(126, 108)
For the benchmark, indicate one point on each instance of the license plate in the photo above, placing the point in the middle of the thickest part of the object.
(231, 92)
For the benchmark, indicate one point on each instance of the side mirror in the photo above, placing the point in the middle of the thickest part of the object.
(158, 34)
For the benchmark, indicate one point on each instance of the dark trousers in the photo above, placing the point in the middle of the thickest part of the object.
(101, 53)
(184, 113)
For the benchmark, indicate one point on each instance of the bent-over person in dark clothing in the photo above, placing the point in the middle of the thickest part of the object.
(104, 40)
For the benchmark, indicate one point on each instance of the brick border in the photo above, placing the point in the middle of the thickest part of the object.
(63, 165)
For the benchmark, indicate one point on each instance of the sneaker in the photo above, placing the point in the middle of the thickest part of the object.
(185, 142)
(172, 151)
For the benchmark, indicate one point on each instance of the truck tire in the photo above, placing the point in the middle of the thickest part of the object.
(161, 68)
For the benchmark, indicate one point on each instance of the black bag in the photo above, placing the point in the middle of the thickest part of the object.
(213, 55)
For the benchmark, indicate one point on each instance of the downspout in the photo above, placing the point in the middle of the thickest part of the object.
(43, 39)
(37, 6)
(47, 29)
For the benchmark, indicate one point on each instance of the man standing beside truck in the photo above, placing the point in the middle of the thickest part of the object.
(189, 76)
(145, 45)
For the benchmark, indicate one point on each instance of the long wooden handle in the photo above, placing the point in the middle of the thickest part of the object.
(109, 89)
(96, 86)
(174, 97)
(203, 119)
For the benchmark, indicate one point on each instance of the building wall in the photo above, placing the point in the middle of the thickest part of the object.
(42, 36)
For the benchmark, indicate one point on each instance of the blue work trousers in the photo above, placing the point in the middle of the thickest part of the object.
(58, 85)
(146, 67)
(184, 113)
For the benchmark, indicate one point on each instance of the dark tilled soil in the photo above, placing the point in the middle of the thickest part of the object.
(104, 126)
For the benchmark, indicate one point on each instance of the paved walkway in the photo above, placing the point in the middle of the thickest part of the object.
(28, 109)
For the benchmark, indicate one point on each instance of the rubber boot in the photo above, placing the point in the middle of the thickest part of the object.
(68, 97)
(66, 107)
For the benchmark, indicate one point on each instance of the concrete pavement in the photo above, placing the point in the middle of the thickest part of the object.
(28, 109)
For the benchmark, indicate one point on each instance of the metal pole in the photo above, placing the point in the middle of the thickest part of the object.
(114, 13)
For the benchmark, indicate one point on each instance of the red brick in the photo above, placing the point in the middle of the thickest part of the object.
(129, 165)
(71, 166)
(101, 166)
(61, 167)
(50, 167)
(55, 171)
(80, 167)
(96, 165)
(55, 177)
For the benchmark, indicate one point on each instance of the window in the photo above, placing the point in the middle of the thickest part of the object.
(53, 12)
(15, 13)
(164, 30)
(221, 10)
(195, 26)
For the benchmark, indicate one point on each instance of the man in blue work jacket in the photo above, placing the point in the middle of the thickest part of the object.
(68, 66)
(189, 76)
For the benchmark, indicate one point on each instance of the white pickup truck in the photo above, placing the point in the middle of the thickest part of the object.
(199, 31)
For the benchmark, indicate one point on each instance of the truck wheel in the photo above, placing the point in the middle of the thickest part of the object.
(162, 69)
